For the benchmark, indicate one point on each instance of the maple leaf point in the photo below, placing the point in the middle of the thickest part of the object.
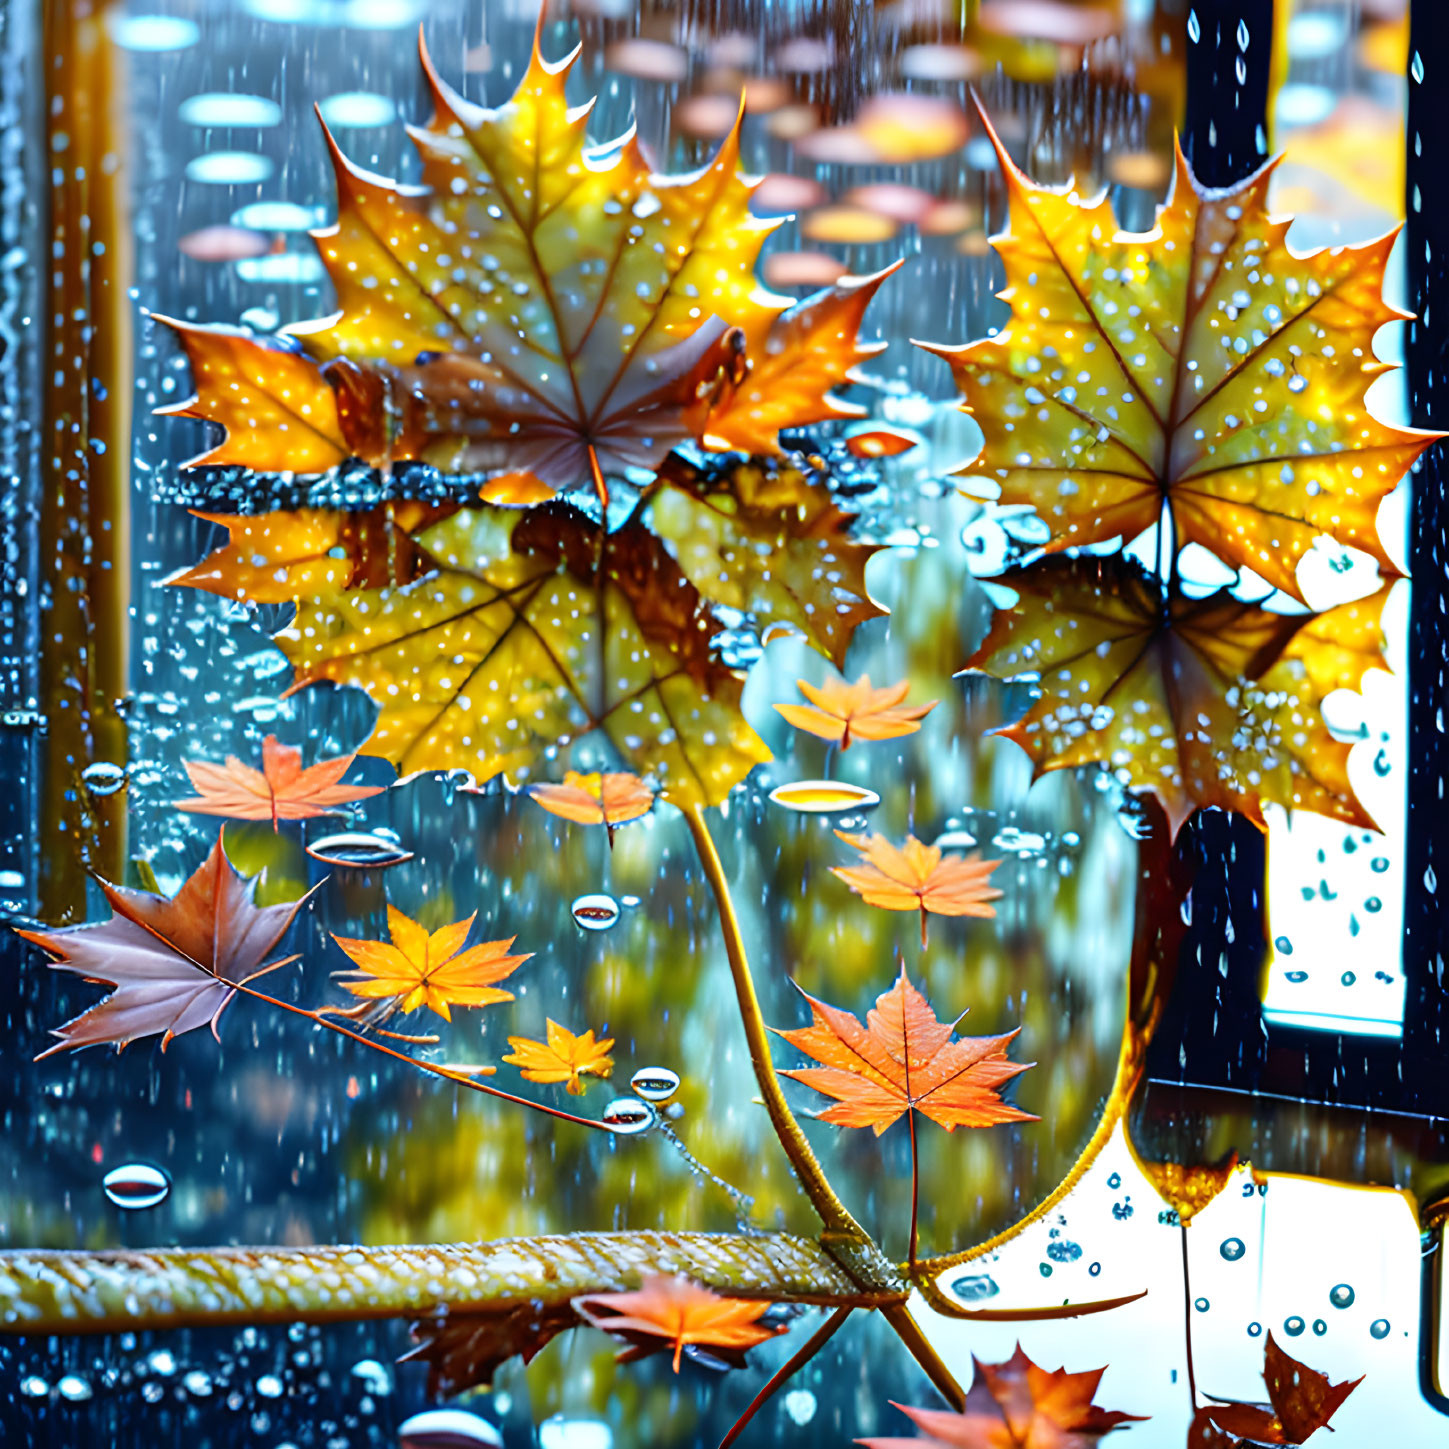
(668, 1310)
(850, 712)
(174, 964)
(1015, 1405)
(916, 877)
(563, 1057)
(420, 968)
(280, 790)
(904, 1059)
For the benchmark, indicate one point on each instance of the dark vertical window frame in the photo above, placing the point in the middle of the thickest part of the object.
(1213, 1032)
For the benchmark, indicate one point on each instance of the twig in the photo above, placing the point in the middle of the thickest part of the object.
(1187, 1313)
(898, 1315)
(833, 1213)
(787, 1371)
(446, 1073)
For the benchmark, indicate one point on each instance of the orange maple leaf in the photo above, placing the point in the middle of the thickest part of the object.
(671, 1311)
(564, 1057)
(850, 712)
(1203, 364)
(428, 969)
(596, 799)
(904, 1059)
(916, 877)
(537, 306)
(1015, 1405)
(173, 965)
(1302, 1402)
(280, 790)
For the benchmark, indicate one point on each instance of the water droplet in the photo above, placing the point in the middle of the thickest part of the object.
(103, 778)
(136, 1185)
(374, 1376)
(974, 1288)
(1294, 1326)
(800, 1406)
(1063, 1251)
(1319, 1327)
(1379, 864)
(1416, 68)
(358, 851)
(561, 1432)
(1341, 1296)
(1379, 1328)
(454, 1429)
(1201, 1304)
(198, 1383)
(269, 1386)
(1046, 1269)
(162, 1362)
(1283, 945)
(74, 1388)
(1373, 905)
(1295, 976)
(655, 1084)
(1254, 1330)
(595, 913)
(1242, 34)
(1023, 842)
(34, 1387)
(1232, 1249)
(628, 1114)
(1095, 1269)
(823, 797)
(1194, 28)
(1115, 1181)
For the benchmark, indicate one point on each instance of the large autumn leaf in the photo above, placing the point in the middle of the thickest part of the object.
(280, 790)
(1301, 1401)
(537, 305)
(275, 558)
(1016, 1405)
(536, 629)
(767, 540)
(173, 964)
(903, 1059)
(671, 1312)
(1204, 701)
(1203, 363)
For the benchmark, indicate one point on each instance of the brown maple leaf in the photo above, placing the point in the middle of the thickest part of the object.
(464, 1350)
(173, 964)
(670, 1311)
(904, 1059)
(1302, 1402)
(850, 712)
(563, 1057)
(1016, 1405)
(422, 968)
(917, 877)
(596, 799)
(280, 790)
(1206, 702)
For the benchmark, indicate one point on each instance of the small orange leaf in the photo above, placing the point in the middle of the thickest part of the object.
(915, 877)
(879, 443)
(564, 1057)
(670, 1311)
(1302, 1399)
(596, 799)
(280, 790)
(904, 1059)
(850, 712)
(428, 969)
(1015, 1405)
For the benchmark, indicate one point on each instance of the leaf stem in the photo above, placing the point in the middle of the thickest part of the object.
(898, 1315)
(446, 1073)
(600, 485)
(811, 1175)
(915, 1181)
(1187, 1314)
(786, 1372)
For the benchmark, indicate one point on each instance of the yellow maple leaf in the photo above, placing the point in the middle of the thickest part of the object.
(596, 799)
(422, 968)
(1203, 364)
(563, 1057)
(858, 711)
